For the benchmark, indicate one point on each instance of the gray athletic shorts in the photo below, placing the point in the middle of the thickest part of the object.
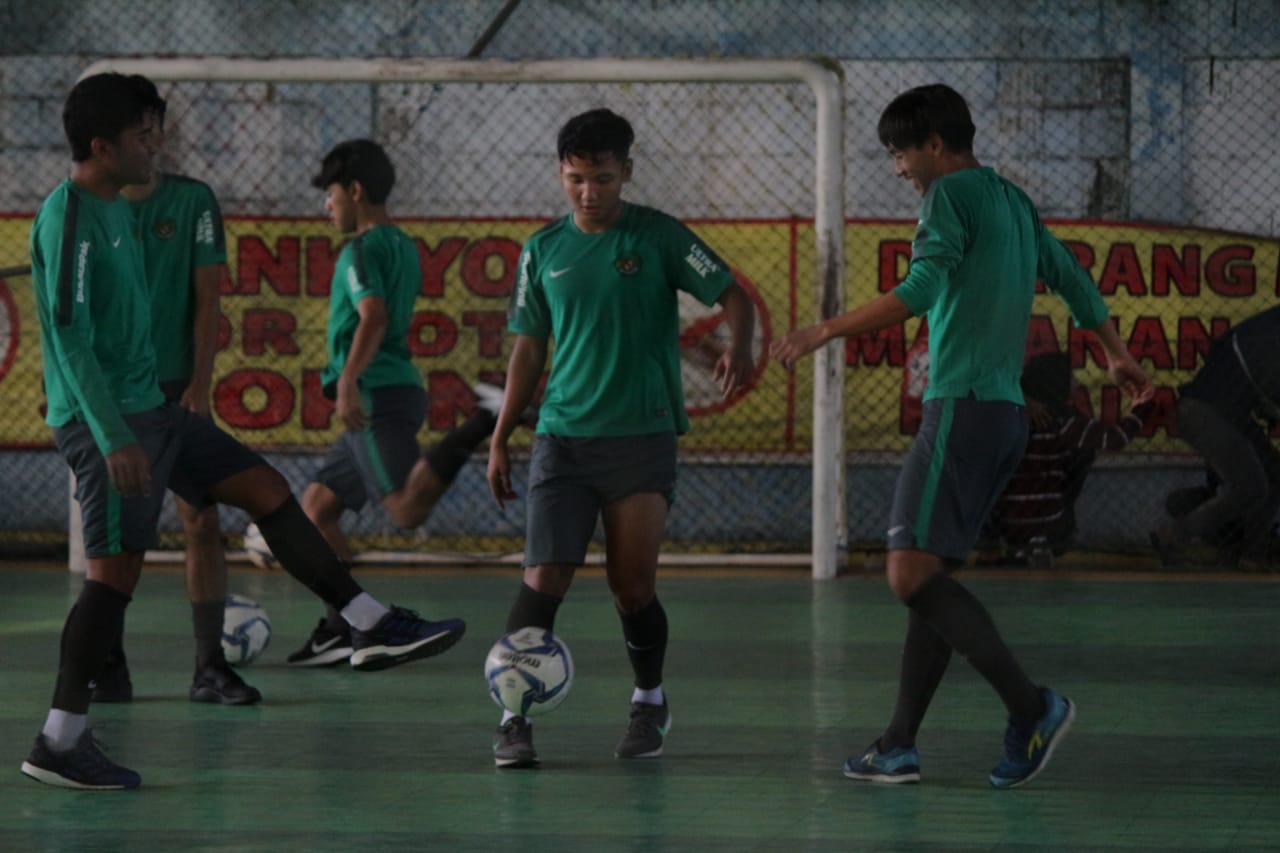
(188, 453)
(961, 460)
(572, 479)
(371, 463)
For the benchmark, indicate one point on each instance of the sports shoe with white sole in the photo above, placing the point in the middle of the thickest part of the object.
(402, 636)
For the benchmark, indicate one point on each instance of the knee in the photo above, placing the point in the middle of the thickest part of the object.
(200, 525)
(632, 595)
(404, 514)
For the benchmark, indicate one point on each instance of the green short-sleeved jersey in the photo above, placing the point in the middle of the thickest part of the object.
(95, 314)
(180, 226)
(978, 250)
(382, 261)
(610, 303)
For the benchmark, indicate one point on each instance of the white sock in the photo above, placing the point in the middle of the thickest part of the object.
(652, 696)
(364, 612)
(62, 729)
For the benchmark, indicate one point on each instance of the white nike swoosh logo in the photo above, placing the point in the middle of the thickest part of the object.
(558, 273)
(116, 242)
(316, 648)
(898, 529)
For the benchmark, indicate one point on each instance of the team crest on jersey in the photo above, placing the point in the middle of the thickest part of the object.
(164, 229)
(627, 264)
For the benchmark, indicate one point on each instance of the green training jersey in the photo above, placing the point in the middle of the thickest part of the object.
(180, 226)
(382, 261)
(95, 314)
(978, 250)
(610, 302)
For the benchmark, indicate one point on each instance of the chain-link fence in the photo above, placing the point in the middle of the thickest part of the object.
(1128, 124)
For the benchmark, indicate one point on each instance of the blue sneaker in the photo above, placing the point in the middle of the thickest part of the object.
(83, 767)
(896, 766)
(402, 636)
(1028, 749)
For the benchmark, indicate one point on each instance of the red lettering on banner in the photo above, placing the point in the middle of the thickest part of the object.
(887, 346)
(1230, 271)
(435, 262)
(450, 396)
(1081, 343)
(1164, 413)
(1183, 271)
(1041, 336)
(229, 402)
(255, 262)
(322, 257)
(1194, 339)
(269, 327)
(490, 326)
(1122, 270)
(1084, 253)
(475, 266)
(317, 409)
(895, 259)
(444, 333)
(1148, 340)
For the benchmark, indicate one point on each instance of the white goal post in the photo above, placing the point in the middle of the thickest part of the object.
(823, 76)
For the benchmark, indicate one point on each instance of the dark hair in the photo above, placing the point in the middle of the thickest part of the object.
(1047, 378)
(102, 107)
(593, 133)
(150, 96)
(360, 160)
(916, 114)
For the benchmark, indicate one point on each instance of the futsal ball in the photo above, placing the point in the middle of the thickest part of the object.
(257, 548)
(246, 630)
(529, 671)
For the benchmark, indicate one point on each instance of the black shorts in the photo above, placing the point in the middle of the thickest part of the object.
(189, 455)
(371, 463)
(572, 479)
(958, 466)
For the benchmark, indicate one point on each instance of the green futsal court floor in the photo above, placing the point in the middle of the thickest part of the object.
(773, 680)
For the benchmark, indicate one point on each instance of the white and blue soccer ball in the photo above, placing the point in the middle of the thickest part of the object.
(257, 549)
(246, 630)
(529, 671)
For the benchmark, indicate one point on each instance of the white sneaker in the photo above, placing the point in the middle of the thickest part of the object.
(257, 549)
(489, 397)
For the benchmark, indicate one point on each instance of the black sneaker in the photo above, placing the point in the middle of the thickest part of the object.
(513, 745)
(402, 636)
(219, 684)
(646, 731)
(324, 647)
(112, 684)
(83, 766)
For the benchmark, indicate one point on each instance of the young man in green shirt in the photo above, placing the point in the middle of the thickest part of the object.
(126, 445)
(377, 391)
(603, 283)
(978, 251)
(184, 248)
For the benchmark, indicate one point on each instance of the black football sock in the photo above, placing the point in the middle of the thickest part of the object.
(206, 621)
(646, 635)
(305, 554)
(964, 624)
(448, 456)
(925, 656)
(533, 609)
(94, 623)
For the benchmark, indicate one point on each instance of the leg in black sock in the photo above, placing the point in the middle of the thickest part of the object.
(533, 608)
(448, 456)
(206, 620)
(964, 624)
(925, 656)
(305, 554)
(646, 635)
(95, 622)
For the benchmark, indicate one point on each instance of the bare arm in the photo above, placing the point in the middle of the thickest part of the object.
(370, 331)
(1124, 371)
(524, 370)
(733, 369)
(204, 333)
(885, 310)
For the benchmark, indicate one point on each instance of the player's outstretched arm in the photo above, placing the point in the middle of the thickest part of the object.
(734, 366)
(524, 369)
(885, 310)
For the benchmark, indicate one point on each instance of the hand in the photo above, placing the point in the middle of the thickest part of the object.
(1038, 413)
(499, 472)
(1131, 378)
(130, 471)
(196, 399)
(349, 406)
(733, 371)
(787, 350)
